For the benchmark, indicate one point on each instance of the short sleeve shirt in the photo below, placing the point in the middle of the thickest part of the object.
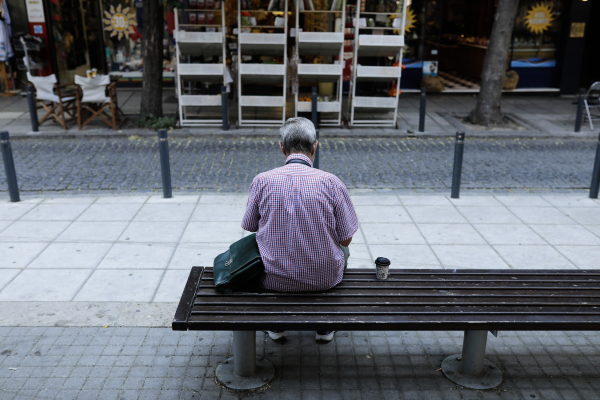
(300, 214)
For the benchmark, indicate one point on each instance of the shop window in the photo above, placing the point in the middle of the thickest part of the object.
(537, 30)
(122, 29)
(455, 33)
(535, 41)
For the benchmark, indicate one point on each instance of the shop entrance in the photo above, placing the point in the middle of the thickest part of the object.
(449, 38)
(74, 26)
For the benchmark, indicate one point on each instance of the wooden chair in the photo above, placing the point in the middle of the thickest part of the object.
(97, 95)
(50, 96)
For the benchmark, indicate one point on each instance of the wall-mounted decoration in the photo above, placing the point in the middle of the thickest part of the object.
(577, 29)
(411, 19)
(539, 18)
(119, 22)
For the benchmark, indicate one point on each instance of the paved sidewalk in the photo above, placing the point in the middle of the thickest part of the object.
(532, 116)
(129, 256)
(159, 364)
(89, 286)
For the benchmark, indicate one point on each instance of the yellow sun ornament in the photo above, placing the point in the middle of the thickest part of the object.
(411, 20)
(539, 18)
(119, 22)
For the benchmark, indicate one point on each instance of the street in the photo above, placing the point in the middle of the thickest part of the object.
(229, 164)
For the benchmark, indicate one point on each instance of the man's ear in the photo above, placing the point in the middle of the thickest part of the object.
(282, 149)
(314, 148)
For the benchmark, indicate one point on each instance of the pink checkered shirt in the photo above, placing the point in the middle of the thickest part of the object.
(301, 215)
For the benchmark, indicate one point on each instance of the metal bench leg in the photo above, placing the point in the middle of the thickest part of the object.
(244, 353)
(244, 370)
(470, 369)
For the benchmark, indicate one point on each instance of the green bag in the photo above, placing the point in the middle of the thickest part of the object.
(239, 267)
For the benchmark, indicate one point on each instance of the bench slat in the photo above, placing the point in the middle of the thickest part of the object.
(396, 310)
(390, 286)
(544, 293)
(448, 273)
(405, 311)
(396, 322)
(206, 281)
(422, 301)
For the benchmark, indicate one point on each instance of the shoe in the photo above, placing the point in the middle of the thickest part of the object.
(324, 336)
(276, 335)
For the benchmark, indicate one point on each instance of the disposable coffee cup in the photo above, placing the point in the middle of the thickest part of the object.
(382, 265)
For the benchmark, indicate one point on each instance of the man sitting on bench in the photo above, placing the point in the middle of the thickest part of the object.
(304, 220)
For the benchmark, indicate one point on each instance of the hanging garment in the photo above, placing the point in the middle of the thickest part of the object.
(6, 17)
(6, 51)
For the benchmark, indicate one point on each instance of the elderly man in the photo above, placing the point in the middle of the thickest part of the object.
(303, 217)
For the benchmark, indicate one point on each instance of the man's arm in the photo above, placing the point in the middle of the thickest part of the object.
(252, 215)
(346, 223)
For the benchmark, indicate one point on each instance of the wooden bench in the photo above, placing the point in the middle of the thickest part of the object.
(474, 301)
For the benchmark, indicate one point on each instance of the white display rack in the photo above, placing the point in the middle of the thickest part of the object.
(194, 44)
(321, 44)
(376, 45)
(262, 44)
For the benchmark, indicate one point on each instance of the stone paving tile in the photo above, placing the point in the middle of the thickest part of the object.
(45, 285)
(230, 164)
(120, 285)
(356, 365)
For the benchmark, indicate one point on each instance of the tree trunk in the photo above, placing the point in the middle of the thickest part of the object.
(152, 53)
(487, 110)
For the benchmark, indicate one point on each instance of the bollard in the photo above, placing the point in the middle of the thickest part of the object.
(165, 167)
(459, 147)
(32, 109)
(9, 167)
(224, 108)
(316, 162)
(422, 109)
(596, 173)
(580, 106)
(313, 107)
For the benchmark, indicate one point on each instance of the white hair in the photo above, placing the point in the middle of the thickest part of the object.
(298, 135)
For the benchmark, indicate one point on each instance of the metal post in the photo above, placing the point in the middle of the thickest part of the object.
(473, 353)
(9, 167)
(165, 167)
(244, 370)
(470, 368)
(316, 162)
(313, 106)
(32, 108)
(459, 147)
(244, 353)
(224, 108)
(422, 109)
(596, 174)
(579, 115)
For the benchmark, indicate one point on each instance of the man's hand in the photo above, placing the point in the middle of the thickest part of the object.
(345, 243)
